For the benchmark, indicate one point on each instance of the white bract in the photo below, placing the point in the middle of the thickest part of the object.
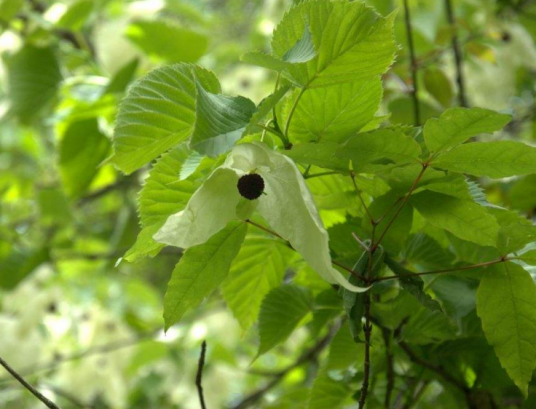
(287, 205)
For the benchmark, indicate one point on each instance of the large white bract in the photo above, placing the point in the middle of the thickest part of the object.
(287, 206)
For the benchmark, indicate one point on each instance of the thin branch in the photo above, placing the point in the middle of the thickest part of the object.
(414, 66)
(349, 270)
(199, 376)
(386, 333)
(361, 242)
(275, 132)
(448, 270)
(413, 187)
(48, 403)
(457, 54)
(308, 356)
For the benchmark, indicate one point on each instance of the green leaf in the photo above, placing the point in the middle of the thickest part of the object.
(321, 154)
(120, 81)
(327, 392)
(144, 246)
(344, 352)
(385, 207)
(373, 150)
(413, 285)
(506, 304)
(201, 270)
(464, 219)
(281, 311)
(529, 257)
(158, 113)
(167, 40)
(303, 50)
(82, 148)
(190, 165)
(33, 77)
(259, 268)
(427, 327)
(264, 108)
(424, 251)
(515, 231)
(523, 193)
(352, 42)
(76, 15)
(17, 265)
(220, 121)
(438, 85)
(337, 112)
(456, 125)
(163, 194)
(494, 159)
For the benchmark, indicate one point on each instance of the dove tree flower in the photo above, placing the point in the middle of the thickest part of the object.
(254, 177)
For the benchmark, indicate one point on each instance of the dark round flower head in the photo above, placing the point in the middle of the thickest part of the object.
(251, 186)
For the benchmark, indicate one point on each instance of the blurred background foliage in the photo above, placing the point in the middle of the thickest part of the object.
(86, 327)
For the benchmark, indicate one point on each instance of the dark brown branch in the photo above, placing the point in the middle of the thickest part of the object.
(47, 402)
(367, 329)
(308, 356)
(448, 270)
(414, 66)
(390, 367)
(199, 376)
(457, 54)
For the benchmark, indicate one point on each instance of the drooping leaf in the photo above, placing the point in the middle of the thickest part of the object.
(120, 81)
(412, 284)
(456, 125)
(337, 112)
(201, 270)
(259, 267)
(220, 121)
(506, 304)
(158, 113)
(167, 40)
(494, 159)
(281, 311)
(33, 76)
(82, 148)
(464, 219)
(373, 150)
(352, 42)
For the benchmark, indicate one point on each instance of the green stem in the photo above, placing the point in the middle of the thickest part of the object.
(292, 110)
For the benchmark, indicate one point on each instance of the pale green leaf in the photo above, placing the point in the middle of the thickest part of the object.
(82, 148)
(259, 267)
(456, 125)
(303, 50)
(281, 311)
(464, 219)
(158, 113)
(352, 42)
(167, 40)
(374, 150)
(337, 112)
(201, 270)
(190, 165)
(494, 159)
(506, 304)
(220, 121)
